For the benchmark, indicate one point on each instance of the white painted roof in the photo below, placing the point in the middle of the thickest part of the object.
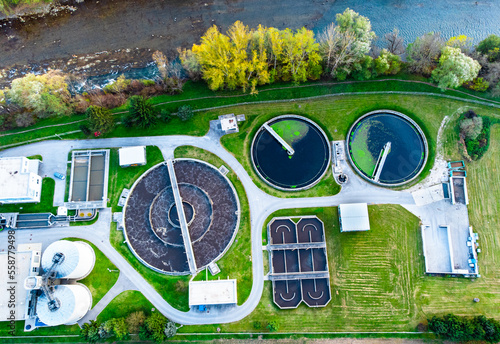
(354, 217)
(229, 122)
(132, 155)
(24, 259)
(15, 174)
(218, 292)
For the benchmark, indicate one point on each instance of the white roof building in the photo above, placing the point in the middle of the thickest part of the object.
(132, 156)
(19, 180)
(229, 123)
(27, 263)
(354, 217)
(220, 292)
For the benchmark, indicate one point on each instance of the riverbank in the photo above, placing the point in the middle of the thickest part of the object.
(118, 25)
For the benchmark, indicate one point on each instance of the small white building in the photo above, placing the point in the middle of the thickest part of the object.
(354, 217)
(229, 123)
(205, 293)
(19, 180)
(132, 156)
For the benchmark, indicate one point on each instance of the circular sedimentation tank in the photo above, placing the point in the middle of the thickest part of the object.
(291, 172)
(210, 206)
(387, 148)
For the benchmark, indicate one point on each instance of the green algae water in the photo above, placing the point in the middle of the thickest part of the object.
(406, 157)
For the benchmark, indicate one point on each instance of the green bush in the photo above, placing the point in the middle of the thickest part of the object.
(185, 112)
(459, 328)
(476, 146)
(478, 84)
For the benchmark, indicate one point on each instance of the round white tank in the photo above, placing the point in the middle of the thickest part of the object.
(75, 301)
(78, 262)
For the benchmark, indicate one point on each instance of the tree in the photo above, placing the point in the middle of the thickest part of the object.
(463, 328)
(90, 331)
(118, 86)
(161, 62)
(140, 113)
(454, 68)
(190, 63)
(135, 320)
(155, 324)
(272, 326)
(47, 94)
(100, 119)
(346, 43)
(394, 43)
(185, 112)
(387, 63)
(120, 328)
(423, 54)
(488, 45)
(470, 128)
(461, 42)
(300, 55)
(170, 329)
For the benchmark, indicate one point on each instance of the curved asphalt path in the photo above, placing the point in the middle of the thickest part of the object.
(55, 155)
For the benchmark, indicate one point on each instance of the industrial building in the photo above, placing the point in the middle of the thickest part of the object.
(132, 156)
(209, 293)
(354, 217)
(19, 180)
(46, 288)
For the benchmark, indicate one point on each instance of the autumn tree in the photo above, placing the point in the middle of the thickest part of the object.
(300, 56)
(394, 43)
(462, 42)
(423, 54)
(100, 119)
(454, 68)
(346, 43)
(47, 94)
(387, 63)
(490, 46)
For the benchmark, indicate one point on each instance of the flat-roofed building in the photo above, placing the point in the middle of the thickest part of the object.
(19, 180)
(132, 156)
(354, 217)
(27, 263)
(205, 293)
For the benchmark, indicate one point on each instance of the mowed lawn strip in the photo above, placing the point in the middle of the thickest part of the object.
(372, 276)
(236, 262)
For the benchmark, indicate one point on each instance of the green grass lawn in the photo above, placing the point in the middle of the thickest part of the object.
(45, 205)
(236, 263)
(174, 289)
(372, 274)
(100, 280)
(124, 177)
(129, 301)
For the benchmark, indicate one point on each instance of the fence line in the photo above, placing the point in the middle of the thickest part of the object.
(39, 139)
(47, 126)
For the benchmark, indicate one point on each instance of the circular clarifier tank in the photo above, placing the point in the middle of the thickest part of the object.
(387, 148)
(283, 168)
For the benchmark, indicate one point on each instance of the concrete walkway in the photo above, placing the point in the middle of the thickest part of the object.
(261, 206)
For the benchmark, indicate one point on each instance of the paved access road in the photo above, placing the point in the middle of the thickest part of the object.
(55, 155)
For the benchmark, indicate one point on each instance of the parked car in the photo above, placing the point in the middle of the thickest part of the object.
(59, 175)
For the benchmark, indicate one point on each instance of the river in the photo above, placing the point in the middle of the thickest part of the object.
(167, 24)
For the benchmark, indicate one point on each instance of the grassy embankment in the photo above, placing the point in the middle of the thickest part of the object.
(236, 262)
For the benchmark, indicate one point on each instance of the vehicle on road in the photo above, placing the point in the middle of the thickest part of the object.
(59, 175)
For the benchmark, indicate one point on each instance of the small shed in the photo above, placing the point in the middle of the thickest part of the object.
(229, 123)
(132, 156)
(205, 293)
(354, 217)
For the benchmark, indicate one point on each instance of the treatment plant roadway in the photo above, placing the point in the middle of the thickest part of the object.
(261, 205)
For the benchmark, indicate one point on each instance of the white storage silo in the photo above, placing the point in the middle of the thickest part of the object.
(74, 301)
(78, 259)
